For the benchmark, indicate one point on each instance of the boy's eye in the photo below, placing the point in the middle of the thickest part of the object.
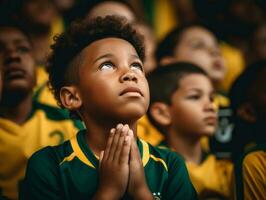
(137, 66)
(194, 97)
(198, 45)
(23, 49)
(106, 66)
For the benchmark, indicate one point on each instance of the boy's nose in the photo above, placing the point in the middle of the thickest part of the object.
(128, 76)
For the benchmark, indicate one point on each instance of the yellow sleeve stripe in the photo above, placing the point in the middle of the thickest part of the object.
(159, 160)
(146, 152)
(78, 152)
(68, 158)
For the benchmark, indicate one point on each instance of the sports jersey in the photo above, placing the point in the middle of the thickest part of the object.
(212, 177)
(250, 174)
(45, 96)
(70, 171)
(148, 132)
(45, 126)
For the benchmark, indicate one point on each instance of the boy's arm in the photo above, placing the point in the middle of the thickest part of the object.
(179, 185)
(137, 186)
(114, 167)
(42, 179)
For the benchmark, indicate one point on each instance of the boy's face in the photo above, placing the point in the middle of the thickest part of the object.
(16, 60)
(192, 110)
(199, 46)
(112, 84)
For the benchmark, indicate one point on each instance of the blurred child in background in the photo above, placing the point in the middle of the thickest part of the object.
(25, 125)
(182, 107)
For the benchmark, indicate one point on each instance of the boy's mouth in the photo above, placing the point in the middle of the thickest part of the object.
(14, 73)
(132, 91)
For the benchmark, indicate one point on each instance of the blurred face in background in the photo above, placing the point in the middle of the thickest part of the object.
(41, 12)
(111, 8)
(16, 61)
(199, 46)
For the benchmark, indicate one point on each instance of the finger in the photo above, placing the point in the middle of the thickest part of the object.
(124, 133)
(134, 151)
(101, 157)
(124, 155)
(109, 143)
(115, 141)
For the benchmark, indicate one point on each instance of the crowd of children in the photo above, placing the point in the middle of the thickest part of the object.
(106, 113)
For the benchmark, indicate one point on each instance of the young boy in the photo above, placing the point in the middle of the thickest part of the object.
(96, 72)
(194, 43)
(25, 125)
(182, 107)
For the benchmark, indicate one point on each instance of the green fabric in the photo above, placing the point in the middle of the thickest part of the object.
(47, 177)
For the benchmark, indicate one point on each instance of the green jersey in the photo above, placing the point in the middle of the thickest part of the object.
(70, 171)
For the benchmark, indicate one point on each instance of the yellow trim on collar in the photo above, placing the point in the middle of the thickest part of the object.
(145, 152)
(159, 160)
(68, 158)
(78, 152)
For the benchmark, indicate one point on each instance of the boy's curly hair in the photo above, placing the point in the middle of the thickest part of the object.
(62, 64)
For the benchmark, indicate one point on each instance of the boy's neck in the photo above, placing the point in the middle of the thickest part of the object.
(188, 147)
(18, 113)
(98, 133)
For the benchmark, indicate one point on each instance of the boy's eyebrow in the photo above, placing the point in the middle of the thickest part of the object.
(135, 56)
(103, 56)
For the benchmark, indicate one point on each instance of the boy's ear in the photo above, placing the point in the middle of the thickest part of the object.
(161, 113)
(70, 98)
(247, 112)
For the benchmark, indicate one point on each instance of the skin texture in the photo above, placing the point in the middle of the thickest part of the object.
(16, 61)
(111, 95)
(199, 46)
(195, 100)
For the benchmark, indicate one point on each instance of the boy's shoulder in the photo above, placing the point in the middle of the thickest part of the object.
(163, 155)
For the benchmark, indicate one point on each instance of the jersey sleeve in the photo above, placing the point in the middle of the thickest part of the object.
(42, 177)
(179, 185)
(250, 176)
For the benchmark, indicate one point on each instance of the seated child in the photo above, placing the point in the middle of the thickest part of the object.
(182, 107)
(96, 72)
(25, 125)
(250, 174)
(249, 105)
(196, 44)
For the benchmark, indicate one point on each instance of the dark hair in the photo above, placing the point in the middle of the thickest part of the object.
(239, 92)
(167, 46)
(62, 67)
(19, 25)
(164, 81)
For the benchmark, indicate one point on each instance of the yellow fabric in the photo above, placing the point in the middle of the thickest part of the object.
(235, 65)
(57, 28)
(164, 18)
(19, 142)
(46, 97)
(148, 132)
(254, 175)
(42, 76)
(211, 177)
